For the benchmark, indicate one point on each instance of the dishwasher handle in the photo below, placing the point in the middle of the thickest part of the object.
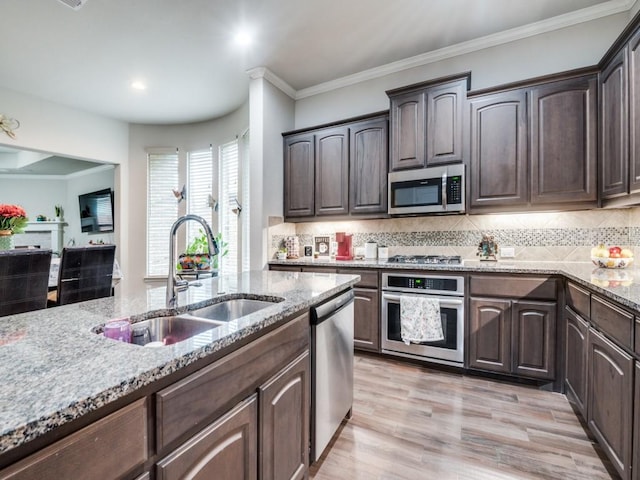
(320, 313)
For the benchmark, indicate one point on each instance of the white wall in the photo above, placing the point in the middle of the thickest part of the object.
(271, 114)
(569, 48)
(50, 127)
(186, 137)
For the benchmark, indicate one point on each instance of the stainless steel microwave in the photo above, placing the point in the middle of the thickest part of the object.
(427, 190)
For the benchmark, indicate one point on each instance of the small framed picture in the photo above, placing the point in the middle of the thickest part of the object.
(321, 245)
(308, 250)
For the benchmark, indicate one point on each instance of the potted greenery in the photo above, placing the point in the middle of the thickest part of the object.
(196, 256)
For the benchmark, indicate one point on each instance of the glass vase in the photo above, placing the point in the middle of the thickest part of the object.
(6, 240)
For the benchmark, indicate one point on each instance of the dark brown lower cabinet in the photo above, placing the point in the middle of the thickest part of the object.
(284, 422)
(90, 452)
(225, 449)
(534, 334)
(636, 424)
(490, 334)
(576, 350)
(515, 337)
(610, 405)
(366, 320)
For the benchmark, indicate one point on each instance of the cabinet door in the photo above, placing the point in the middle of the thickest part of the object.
(332, 171)
(609, 411)
(498, 156)
(575, 380)
(284, 422)
(614, 127)
(299, 168)
(490, 334)
(445, 105)
(534, 339)
(634, 114)
(407, 131)
(366, 320)
(636, 425)
(368, 162)
(225, 449)
(563, 141)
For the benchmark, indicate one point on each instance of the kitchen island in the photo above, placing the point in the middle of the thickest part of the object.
(59, 376)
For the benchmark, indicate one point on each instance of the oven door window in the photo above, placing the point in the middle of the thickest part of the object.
(416, 193)
(449, 318)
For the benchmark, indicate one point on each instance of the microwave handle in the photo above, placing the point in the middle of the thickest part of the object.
(444, 191)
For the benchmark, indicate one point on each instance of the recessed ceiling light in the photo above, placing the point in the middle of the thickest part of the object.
(138, 85)
(243, 38)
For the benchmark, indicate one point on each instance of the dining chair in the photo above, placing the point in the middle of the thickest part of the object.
(24, 279)
(85, 273)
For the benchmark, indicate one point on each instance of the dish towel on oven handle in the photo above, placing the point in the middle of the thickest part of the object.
(420, 319)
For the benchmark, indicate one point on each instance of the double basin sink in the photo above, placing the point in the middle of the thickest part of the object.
(167, 330)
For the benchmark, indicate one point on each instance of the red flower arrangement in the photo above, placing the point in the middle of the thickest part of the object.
(12, 218)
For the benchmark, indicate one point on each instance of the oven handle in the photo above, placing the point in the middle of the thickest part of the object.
(448, 301)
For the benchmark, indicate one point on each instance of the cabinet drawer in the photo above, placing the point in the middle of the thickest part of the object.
(285, 268)
(90, 452)
(368, 278)
(200, 397)
(319, 269)
(543, 288)
(579, 300)
(613, 321)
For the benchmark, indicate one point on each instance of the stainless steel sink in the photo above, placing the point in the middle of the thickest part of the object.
(161, 331)
(230, 309)
(169, 330)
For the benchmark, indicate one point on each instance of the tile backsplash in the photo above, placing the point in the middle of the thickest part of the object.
(557, 236)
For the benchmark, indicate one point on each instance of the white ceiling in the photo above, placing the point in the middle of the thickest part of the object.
(183, 49)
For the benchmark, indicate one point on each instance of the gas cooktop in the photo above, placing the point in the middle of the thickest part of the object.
(426, 259)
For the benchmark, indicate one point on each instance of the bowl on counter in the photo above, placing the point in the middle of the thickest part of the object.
(622, 262)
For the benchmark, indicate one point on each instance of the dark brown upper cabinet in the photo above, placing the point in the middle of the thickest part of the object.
(620, 121)
(563, 141)
(299, 175)
(534, 147)
(498, 156)
(427, 123)
(369, 154)
(332, 171)
(337, 171)
(614, 128)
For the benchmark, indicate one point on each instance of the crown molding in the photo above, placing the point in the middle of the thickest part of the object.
(272, 78)
(561, 21)
(81, 173)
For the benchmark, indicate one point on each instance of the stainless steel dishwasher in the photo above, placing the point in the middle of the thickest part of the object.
(332, 368)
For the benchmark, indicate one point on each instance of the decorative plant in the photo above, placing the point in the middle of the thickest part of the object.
(13, 218)
(197, 256)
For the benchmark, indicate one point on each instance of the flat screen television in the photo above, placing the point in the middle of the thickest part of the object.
(96, 211)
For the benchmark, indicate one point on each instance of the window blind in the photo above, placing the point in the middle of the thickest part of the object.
(199, 188)
(162, 209)
(229, 200)
(245, 171)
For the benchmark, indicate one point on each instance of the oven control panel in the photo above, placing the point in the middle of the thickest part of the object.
(422, 283)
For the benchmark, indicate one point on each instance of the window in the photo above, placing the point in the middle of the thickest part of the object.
(229, 205)
(162, 209)
(199, 190)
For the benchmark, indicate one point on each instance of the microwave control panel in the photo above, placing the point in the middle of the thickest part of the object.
(454, 189)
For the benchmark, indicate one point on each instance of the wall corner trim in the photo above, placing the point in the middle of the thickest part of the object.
(276, 81)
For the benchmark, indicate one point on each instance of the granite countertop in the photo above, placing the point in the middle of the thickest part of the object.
(619, 285)
(54, 369)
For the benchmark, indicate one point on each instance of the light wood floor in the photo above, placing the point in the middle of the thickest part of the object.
(414, 423)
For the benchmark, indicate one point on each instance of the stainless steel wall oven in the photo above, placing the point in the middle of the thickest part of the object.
(449, 291)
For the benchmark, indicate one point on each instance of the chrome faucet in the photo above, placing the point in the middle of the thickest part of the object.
(173, 284)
